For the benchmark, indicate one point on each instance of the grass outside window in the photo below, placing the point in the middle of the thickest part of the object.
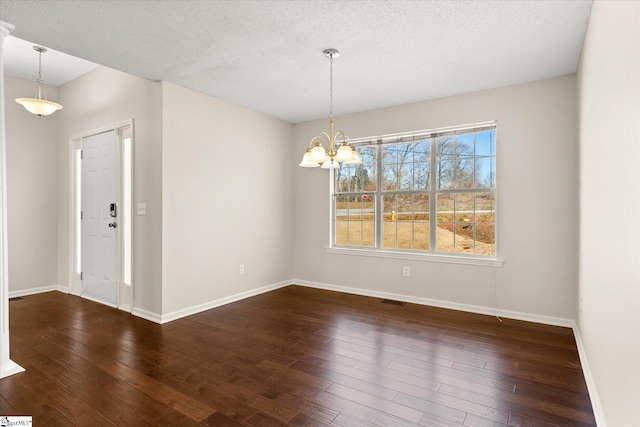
(390, 202)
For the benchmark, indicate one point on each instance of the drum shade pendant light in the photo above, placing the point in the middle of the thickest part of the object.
(39, 105)
(339, 145)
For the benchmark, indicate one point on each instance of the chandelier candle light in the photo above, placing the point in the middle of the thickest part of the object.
(339, 145)
(39, 105)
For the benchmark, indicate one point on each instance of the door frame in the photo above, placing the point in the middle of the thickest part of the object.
(124, 294)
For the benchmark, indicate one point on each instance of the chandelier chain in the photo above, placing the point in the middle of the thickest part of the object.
(339, 150)
(331, 86)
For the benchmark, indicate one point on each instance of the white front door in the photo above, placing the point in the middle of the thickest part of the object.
(100, 176)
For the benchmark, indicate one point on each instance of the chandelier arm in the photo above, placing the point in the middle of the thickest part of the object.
(321, 137)
(345, 138)
(332, 139)
(324, 135)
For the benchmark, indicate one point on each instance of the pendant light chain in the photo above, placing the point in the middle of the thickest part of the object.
(41, 93)
(40, 75)
(39, 67)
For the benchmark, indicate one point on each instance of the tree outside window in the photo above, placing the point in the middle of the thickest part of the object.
(389, 203)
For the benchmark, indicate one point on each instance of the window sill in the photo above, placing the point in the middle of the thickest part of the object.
(450, 259)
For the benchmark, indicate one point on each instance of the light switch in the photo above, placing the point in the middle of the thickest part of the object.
(141, 208)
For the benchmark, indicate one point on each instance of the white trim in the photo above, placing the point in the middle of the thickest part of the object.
(222, 301)
(491, 311)
(32, 291)
(7, 366)
(116, 126)
(75, 142)
(426, 133)
(379, 142)
(10, 368)
(108, 304)
(488, 262)
(547, 320)
(125, 308)
(588, 377)
(39, 290)
(147, 315)
(75, 284)
(508, 314)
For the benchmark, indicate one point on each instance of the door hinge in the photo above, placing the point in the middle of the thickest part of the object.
(81, 275)
(81, 154)
(81, 214)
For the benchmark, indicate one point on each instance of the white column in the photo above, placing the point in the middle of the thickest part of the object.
(7, 366)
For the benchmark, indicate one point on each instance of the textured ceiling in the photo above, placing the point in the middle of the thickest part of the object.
(267, 55)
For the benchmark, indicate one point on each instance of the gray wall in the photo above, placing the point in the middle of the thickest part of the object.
(226, 187)
(609, 322)
(105, 97)
(197, 229)
(32, 164)
(537, 195)
(537, 203)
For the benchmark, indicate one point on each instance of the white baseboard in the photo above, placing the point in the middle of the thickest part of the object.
(40, 290)
(10, 368)
(547, 320)
(154, 317)
(588, 377)
(147, 315)
(125, 307)
(222, 301)
(491, 311)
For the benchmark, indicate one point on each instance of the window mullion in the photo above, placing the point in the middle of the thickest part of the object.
(432, 199)
(460, 181)
(379, 205)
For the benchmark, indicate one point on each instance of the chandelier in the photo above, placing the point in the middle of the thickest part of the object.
(39, 105)
(340, 149)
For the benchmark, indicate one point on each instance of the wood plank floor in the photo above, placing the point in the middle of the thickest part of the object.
(295, 356)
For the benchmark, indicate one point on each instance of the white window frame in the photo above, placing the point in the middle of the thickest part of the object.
(418, 255)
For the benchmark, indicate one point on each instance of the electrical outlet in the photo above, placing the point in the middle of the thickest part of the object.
(241, 269)
(406, 271)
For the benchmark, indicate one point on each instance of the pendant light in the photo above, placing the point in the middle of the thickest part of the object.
(339, 145)
(39, 105)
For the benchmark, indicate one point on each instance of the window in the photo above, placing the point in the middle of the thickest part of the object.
(428, 192)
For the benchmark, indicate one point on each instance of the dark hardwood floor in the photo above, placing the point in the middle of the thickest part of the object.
(295, 356)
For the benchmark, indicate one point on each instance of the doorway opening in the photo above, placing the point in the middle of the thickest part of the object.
(101, 220)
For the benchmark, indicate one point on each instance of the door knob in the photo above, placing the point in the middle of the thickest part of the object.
(113, 224)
